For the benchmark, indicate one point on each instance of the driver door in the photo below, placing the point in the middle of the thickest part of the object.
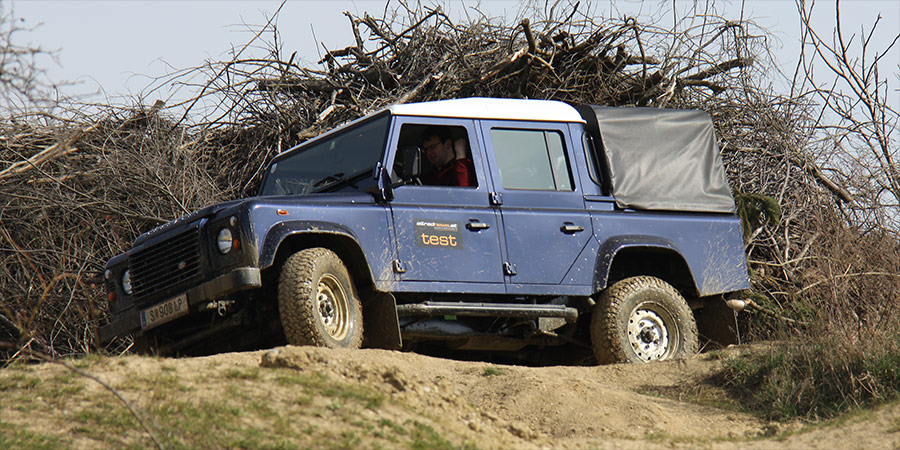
(447, 234)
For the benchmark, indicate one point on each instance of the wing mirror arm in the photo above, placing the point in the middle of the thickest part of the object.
(385, 187)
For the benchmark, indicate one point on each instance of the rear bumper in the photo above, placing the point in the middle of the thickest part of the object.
(236, 280)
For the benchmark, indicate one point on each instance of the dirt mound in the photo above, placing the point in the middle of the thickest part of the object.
(319, 398)
(558, 405)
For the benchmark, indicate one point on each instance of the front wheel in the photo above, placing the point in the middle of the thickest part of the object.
(642, 319)
(317, 302)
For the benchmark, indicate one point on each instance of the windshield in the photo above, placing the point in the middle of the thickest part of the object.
(331, 163)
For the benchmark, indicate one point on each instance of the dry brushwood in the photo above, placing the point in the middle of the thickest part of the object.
(75, 192)
(22, 79)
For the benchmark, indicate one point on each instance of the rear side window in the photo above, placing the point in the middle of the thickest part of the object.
(531, 159)
(590, 153)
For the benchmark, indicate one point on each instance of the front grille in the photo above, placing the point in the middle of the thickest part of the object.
(156, 268)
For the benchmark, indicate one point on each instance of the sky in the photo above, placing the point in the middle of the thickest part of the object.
(112, 49)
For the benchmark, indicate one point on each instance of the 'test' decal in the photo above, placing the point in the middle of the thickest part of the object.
(438, 234)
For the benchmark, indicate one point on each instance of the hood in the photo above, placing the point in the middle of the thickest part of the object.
(209, 211)
(212, 210)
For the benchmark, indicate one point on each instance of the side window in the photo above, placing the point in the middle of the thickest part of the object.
(590, 153)
(531, 159)
(444, 155)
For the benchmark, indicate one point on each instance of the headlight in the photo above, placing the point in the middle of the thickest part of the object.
(224, 240)
(126, 282)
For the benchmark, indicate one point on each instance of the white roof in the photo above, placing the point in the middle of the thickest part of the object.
(492, 108)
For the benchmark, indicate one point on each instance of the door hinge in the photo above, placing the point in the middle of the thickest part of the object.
(509, 269)
(398, 266)
(496, 198)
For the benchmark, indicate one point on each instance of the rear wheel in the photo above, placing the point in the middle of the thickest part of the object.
(642, 319)
(317, 302)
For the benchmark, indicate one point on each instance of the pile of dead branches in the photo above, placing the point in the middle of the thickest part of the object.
(76, 191)
(73, 194)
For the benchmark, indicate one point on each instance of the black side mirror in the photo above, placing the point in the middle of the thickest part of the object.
(385, 191)
(408, 162)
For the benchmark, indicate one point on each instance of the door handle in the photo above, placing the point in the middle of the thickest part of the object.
(475, 225)
(571, 228)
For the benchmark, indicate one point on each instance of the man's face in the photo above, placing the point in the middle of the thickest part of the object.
(437, 152)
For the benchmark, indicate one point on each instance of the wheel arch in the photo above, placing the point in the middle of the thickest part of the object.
(628, 256)
(287, 238)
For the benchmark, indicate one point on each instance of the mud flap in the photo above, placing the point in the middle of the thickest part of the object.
(380, 322)
(717, 323)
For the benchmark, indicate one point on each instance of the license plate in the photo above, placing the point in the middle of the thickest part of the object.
(163, 312)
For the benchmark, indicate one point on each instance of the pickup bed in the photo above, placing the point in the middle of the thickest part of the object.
(473, 224)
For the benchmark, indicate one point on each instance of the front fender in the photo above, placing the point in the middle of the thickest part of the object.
(282, 230)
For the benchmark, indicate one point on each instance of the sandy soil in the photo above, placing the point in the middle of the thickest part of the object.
(502, 406)
(560, 407)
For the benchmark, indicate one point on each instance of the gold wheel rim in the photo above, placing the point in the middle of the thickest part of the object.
(333, 307)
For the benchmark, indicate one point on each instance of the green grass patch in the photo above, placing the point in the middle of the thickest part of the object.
(188, 424)
(288, 377)
(14, 436)
(161, 383)
(105, 416)
(18, 380)
(258, 439)
(88, 360)
(303, 410)
(390, 425)
(318, 384)
(20, 391)
(303, 399)
(251, 373)
(491, 371)
(424, 437)
(349, 439)
(103, 422)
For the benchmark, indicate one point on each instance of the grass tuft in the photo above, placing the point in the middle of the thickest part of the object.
(819, 377)
(15, 437)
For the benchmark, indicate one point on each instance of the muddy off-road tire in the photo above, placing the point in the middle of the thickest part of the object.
(642, 319)
(317, 302)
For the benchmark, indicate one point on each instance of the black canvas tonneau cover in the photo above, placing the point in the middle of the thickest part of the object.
(661, 159)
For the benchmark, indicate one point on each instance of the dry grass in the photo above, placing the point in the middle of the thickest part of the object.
(246, 407)
(848, 356)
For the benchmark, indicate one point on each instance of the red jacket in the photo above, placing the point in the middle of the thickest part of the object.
(459, 172)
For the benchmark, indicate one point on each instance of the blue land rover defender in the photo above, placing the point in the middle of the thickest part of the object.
(610, 229)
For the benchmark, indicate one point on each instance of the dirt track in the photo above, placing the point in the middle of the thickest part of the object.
(618, 406)
(467, 403)
(562, 407)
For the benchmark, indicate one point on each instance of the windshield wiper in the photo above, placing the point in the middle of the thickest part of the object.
(335, 181)
(328, 179)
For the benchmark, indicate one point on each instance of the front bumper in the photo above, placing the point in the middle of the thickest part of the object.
(238, 279)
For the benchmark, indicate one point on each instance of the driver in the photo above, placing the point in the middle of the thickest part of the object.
(450, 170)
